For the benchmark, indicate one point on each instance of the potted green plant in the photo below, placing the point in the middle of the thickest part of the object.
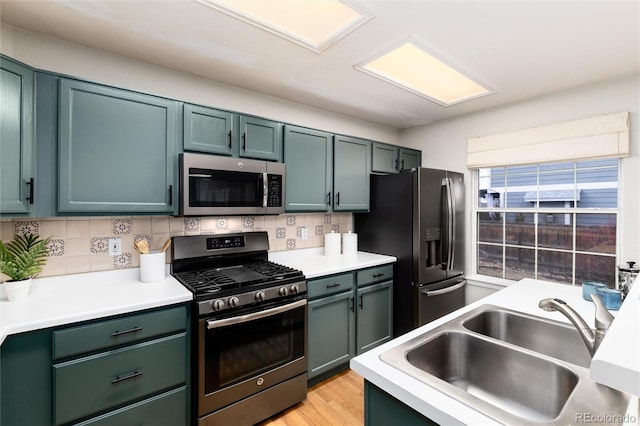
(20, 260)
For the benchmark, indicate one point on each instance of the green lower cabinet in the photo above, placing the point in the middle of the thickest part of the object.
(167, 409)
(331, 333)
(347, 317)
(101, 382)
(26, 382)
(375, 321)
(141, 381)
(382, 409)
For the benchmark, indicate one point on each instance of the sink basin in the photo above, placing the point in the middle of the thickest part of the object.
(513, 367)
(537, 334)
(495, 374)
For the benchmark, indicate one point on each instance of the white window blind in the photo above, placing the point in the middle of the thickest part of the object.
(596, 137)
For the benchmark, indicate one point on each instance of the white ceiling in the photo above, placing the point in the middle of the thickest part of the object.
(520, 49)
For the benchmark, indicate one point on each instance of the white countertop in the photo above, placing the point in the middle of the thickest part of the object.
(523, 296)
(313, 263)
(67, 299)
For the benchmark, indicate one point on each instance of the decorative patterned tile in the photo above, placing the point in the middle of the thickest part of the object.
(222, 223)
(248, 222)
(335, 228)
(122, 226)
(142, 237)
(24, 227)
(327, 218)
(281, 233)
(291, 244)
(299, 231)
(319, 230)
(122, 261)
(291, 220)
(191, 224)
(56, 247)
(99, 245)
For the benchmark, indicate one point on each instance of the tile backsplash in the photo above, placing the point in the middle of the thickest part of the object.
(80, 244)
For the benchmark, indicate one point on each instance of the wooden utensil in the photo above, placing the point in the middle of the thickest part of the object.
(166, 245)
(143, 247)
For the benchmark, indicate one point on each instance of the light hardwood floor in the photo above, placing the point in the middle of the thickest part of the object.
(338, 400)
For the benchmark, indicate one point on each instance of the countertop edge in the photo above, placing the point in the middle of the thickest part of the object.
(84, 297)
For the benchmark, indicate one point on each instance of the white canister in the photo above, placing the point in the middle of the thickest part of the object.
(152, 266)
(349, 244)
(332, 244)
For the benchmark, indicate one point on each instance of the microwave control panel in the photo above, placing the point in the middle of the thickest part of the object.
(274, 190)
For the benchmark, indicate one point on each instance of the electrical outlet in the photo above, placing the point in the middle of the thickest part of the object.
(115, 246)
(304, 233)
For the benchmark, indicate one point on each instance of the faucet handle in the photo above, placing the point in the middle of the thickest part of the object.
(603, 318)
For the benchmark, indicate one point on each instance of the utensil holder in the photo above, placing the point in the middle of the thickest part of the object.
(152, 267)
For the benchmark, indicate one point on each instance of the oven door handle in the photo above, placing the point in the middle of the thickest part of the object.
(254, 316)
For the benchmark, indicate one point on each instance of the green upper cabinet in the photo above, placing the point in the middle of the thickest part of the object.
(117, 150)
(224, 133)
(16, 138)
(409, 158)
(260, 138)
(392, 159)
(207, 130)
(309, 169)
(352, 166)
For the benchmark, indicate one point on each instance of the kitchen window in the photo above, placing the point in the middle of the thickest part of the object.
(555, 221)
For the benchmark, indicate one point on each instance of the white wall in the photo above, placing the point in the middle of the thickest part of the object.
(444, 143)
(58, 56)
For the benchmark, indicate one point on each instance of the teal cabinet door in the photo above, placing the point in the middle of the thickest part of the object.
(409, 158)
(116, 150)
(207, 130)
(26, 380)
(331, 337)
(384, 158)
(16, 138)
(308, 158)
(352, 166)
(375, 305)
(260, 139)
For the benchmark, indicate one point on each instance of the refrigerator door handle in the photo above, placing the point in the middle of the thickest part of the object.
(444, 290)
(450, 224)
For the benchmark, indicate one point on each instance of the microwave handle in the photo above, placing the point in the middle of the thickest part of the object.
(265, 189)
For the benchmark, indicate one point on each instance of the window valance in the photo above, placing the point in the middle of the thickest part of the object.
(596, 137)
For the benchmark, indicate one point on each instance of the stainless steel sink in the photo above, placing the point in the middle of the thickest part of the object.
(485, 360)
(537, 334)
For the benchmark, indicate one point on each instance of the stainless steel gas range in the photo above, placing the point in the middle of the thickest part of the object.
(249, 328)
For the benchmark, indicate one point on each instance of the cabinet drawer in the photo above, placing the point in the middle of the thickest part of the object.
(167, 409)
(101, 382)
(109, 333)
(374, 275)
(329, 285)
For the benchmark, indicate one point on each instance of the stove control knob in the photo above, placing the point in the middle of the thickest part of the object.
(293, 289)
(233, 302)
(260, 296)
(283, 291)
(217, 305)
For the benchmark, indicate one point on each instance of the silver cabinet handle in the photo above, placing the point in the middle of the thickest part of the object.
(254, 316)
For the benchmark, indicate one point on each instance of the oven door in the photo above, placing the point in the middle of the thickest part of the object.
(241, 355)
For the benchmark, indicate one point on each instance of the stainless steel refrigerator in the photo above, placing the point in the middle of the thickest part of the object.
(418, 217)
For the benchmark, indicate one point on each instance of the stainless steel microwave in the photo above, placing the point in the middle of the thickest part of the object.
(212, 185)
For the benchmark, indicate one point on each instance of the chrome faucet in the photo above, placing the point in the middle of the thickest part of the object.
(603, 320)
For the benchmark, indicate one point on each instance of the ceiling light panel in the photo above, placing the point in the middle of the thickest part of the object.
(314, 24)
(413, 69)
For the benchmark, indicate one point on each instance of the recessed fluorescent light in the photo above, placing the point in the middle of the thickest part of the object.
(314, 24)
(415, 70)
